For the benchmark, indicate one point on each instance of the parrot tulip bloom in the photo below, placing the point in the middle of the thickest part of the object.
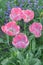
(36, 29)
(20, 41)
(11, 28)
(16, 14)
(27, 15)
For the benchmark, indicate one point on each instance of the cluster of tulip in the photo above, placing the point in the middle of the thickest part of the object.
(20, 40)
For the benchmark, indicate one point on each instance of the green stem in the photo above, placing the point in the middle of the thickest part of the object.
(25, 28)
(7, 39)
(31, 38)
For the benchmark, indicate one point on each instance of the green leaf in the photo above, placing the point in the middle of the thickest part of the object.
(8, 61)
(7, 39)
(31, 37)
(1, 40)
(35, 61)
(20, 56)
(38, 54)
(13, 51)
(33, 45)
(5, 61)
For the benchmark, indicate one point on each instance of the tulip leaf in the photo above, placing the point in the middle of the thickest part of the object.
(1, 40)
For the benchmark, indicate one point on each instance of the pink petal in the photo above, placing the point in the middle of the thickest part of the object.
(11, 28)
(36, 29)
(28, 15)
(16, 14)
(20, 41)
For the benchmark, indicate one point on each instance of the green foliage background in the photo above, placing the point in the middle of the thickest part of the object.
(33, 54)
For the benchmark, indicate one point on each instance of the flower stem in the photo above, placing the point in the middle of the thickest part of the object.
(25, 28)
(7, 39)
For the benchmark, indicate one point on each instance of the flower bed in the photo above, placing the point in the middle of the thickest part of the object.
(21, 32)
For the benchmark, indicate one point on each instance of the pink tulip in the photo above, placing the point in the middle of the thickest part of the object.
(16, 14)
(36, 29)
(11, 28)
(27, 15)
(20, 41)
